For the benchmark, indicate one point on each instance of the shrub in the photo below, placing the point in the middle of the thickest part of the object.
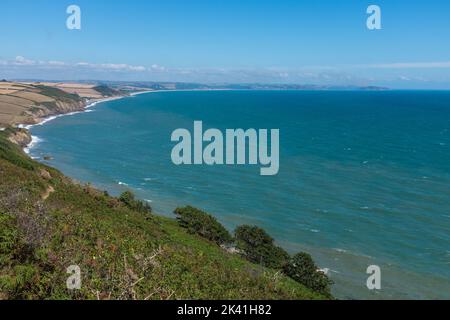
(13, 153)
(302, 269)
(58, 94)
(8, 238)
(258, 247)
(106, 91)
(129, 200)
(17, 286)
(203, 224)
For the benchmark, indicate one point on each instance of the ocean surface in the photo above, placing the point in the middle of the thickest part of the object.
(364, 176)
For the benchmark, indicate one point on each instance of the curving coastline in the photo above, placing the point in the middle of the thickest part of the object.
(26, 140)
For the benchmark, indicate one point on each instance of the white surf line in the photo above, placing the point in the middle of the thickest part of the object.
(86, 109)
(141, 92)
(35, 140)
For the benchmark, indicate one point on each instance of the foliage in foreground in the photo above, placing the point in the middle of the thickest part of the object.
(302, 269)
(48, 223)
(203, 224)
(129, 200)
(258, 247)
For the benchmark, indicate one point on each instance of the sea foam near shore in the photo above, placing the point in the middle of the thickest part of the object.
(365, 212)
(35, 140)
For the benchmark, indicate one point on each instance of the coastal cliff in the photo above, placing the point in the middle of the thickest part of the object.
(124, 251)
(49, 223)
(21, 137)
(30, 103)
(39, 113)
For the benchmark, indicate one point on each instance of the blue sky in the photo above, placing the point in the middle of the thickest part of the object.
(322, 42)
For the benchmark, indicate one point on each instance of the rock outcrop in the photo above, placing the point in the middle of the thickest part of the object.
(20, 137)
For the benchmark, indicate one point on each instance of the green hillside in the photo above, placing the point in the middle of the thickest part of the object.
(48, 223)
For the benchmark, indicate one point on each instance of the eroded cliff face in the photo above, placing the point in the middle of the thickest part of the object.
(29, 103)
(20, 137)
(39, 113)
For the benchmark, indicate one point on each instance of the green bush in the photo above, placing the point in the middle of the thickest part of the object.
(18, 285)
(129, 200)
(13, 153)
(114, 246)
(203, 224)
(106, 91)
(8, 238)
(258, 247)
(58, 94)
(302, 269)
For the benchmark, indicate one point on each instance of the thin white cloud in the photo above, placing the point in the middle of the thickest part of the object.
(408, 65)
(137, 68)
(56, 63)
(21, 61)
(368, 74)
(111, 67)
(157, 68)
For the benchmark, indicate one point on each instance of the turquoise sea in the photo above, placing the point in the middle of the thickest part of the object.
(364, 176)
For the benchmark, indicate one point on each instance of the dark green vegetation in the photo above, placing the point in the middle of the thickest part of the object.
(12, 153)
(258, 247)
(301, 268)
(57, 94)
(106, 91)
(48, 223)
(128, 199)
(203, 224)
(255, 245)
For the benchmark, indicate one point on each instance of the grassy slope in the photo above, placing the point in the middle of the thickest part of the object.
(122, 254)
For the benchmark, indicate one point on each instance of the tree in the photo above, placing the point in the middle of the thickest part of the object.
(129, 200)
(203, 224)
(258, 247)
(302, 269)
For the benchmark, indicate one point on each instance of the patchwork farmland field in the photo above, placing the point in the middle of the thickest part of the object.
(28, 102)
(83, 90)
